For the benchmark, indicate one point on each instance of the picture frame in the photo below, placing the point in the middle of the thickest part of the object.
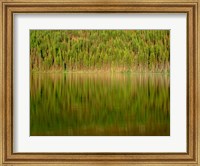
(10, 7)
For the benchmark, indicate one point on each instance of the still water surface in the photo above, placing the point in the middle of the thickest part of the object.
(94, 104)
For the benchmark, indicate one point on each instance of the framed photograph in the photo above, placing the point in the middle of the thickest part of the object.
(103, 82)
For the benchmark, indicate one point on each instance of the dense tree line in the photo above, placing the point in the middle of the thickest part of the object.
(107, 50)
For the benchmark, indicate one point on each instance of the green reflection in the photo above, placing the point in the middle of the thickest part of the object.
(104, 104)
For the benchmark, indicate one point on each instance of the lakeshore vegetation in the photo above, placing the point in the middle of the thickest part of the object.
(104, 50)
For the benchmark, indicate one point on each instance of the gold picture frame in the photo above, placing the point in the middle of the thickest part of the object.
(10, 7)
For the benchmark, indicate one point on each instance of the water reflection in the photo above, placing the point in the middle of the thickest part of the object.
(100, 104)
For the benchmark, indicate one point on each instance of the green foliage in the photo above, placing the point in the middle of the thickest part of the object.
(116, 50)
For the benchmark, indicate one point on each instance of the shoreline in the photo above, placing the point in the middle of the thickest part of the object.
(97, 72)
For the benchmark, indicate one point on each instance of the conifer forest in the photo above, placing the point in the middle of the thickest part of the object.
(104, 50)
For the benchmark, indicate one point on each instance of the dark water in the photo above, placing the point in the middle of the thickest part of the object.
(100, 104)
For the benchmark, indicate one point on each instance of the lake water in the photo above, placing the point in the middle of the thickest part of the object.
(78, 104)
